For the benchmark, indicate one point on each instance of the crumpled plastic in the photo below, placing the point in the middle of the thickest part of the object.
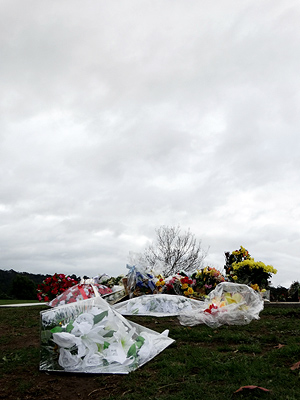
(157, 305)
(79, 292)
(229, 303)
(118, 293)
(139, 281)
(90, 337)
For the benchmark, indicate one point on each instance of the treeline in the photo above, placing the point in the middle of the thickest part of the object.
(20, 285)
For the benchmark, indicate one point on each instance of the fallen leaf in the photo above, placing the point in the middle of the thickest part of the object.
(279, 346)
(251, 387)
(295, 366)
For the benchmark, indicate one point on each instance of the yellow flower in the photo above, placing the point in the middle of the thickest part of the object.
(234, 277)
(255, 286)
(190, 290)
(186, 293)
(184, 286)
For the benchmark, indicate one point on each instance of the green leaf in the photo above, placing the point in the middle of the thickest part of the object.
(109, 334)
(106, 345)
(69, 327)
(132, 351)
(139, 342)
(99, 317)
(56, 329)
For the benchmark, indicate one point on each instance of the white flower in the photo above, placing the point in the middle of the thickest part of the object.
(92, 360)
(65, 339)
(68, 360)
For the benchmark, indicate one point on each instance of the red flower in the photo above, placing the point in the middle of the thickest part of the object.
(55, 285)
(210, 309)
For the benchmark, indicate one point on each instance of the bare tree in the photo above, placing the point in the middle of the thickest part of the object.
(174, 251)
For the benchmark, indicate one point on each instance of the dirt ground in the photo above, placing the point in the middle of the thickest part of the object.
(26, 382)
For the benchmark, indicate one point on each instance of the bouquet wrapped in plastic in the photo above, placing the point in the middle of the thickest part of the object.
(90, 337)
(162, 305)
(80, 292)
(229, 303)
(140, 282)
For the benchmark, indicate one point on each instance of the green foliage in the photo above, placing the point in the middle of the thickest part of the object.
(7, 278)
(23, 288)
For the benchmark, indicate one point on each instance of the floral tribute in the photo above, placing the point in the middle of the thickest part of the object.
(54, 286)
(140, 282)
(90, 337)
(179, 284)
(163, 305)
(183, 286)
(80, 292)
(229, 303)
(201, 282)
(241, 268)
(160, 284)
(205, 280)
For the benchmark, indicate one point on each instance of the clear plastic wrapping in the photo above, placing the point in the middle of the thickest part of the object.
(229, 303)
(90, 337)
(79, 292)
(157, 305)
(140, 282)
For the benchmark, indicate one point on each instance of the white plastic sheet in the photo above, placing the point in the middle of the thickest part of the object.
(90, 337)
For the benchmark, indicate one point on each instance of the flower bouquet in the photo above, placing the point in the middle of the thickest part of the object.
(80, 292)
(90, 337)
(229, 303)
(163, 305)
(140, 282)
(241, 268)
(111, 281)
(179, 284)
(53, 286)
(205, 280)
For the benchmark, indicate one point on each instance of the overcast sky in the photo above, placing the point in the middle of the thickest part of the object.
(117, 117)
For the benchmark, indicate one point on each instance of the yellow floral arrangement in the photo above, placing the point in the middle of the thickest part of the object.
(242, 268)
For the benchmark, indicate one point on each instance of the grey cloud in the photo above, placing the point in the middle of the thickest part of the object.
(120, 117)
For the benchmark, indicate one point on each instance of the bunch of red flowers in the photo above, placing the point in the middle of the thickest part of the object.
(54, 286)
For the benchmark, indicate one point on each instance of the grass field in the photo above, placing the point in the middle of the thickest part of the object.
(203, 363)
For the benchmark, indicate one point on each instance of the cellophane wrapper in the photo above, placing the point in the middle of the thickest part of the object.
(80, 292)
(157, 305)
(90, 337)
(140, 282)
(229, 303)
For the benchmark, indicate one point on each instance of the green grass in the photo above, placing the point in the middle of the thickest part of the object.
(202, 363)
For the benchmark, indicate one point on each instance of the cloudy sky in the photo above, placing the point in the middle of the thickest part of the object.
(120, 116)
